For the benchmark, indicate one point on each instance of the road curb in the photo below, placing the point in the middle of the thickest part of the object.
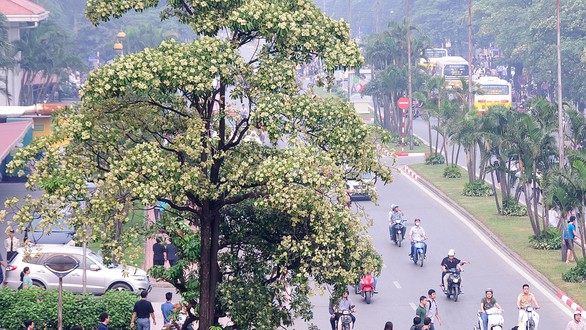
(568, 301)
(411, 154)
(502, 246)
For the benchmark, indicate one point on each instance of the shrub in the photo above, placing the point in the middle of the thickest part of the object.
(434, 159)
(512, 208)
(576, 274)
(40, 306)
(477, 188)
(550, 240)
(452, 172)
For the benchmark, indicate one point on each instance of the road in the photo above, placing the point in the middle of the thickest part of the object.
(401, 282)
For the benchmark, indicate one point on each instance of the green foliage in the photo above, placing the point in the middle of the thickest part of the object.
(549, 240)
(477, 188)
(513, 208)
(435, 159)
(452, 172)
(576, 274)
(40, 306)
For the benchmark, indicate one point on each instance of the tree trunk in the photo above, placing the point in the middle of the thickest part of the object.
(437, 136)
(581, 229)
(496, 198)
(387, 111)
(530, 213)
(430, 136)
(209, 271)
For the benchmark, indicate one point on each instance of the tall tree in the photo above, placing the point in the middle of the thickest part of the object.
(7, 52)
(159, 125)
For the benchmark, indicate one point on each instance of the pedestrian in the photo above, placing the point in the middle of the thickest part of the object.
(141, 312)
(167, 308)
(568, 239)
(104, 320)
(171, 252)
(2, 263)
(11, 244)
(416, 322)
(420, 311)
(426, 324)
(576, 323)
(29, 325)
(553, 217)
(25, 278)
(158, 253)
(388, 325)
(432, 310)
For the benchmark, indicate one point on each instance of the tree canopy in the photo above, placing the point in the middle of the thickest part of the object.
(253, 220)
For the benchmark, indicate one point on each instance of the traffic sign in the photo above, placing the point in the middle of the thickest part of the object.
(403, 103)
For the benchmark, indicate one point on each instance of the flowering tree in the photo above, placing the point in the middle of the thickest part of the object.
(253, 222)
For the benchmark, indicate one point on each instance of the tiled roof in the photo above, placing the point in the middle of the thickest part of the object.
(22, 8)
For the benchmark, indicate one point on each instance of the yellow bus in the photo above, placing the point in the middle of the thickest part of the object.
(492, 91)
(452, 68)
(431, 55)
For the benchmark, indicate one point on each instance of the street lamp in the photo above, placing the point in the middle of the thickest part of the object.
(118, 46)
(409, 84)
(61, 266)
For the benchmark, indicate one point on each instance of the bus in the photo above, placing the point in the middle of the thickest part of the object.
(452, 68)
(492, 91)
(431, 55)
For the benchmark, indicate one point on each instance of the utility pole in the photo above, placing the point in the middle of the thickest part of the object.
(377, 15)
(409, 87)
(470, 104)
(559, 88)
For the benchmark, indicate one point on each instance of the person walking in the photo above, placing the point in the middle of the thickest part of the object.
(416, 323)
(141, 312)
(432, 310)
(171, 252)
(25, 278)
(388, 325)
(104, 320)
(158, 253)
(2, 263)
(11, 244)
(420, 311)
(568, 239)
(576, 323)
(167, 308)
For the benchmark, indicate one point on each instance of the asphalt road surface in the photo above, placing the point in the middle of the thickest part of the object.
(402, 283)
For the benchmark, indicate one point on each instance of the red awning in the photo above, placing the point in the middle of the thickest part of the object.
(11, 134)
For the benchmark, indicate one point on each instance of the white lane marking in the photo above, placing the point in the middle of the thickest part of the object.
(549, 295)
(397, 285)
(413, 306)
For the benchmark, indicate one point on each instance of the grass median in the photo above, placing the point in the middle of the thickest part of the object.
(513, 231)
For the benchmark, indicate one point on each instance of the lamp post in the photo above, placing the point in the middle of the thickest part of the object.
(409, 85)
(61, 265)
(118, 45)
(559, 87)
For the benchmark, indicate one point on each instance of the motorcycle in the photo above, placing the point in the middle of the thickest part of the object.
(454, 281)
(530, 318)
(367, 287)
(345, 320)
(398, 228)
(495, 320)
(419, 254)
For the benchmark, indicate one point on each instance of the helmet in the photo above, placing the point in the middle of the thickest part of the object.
(577, 312)
(394, 206)
(488, 290)
(451, 253)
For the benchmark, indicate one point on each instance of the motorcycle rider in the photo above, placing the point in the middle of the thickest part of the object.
(417, 233)
(487, 303)
(345, 303)
(450, 262)
(524, 300)
(395, 215)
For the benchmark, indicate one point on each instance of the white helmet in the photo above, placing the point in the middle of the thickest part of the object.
(451, 253)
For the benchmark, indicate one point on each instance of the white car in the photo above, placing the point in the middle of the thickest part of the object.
(100, 277)
(361, 188)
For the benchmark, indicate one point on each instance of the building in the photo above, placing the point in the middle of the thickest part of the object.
(20, 14)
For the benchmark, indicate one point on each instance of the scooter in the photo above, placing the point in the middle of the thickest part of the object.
(367, 287)
(345, 320)
(495, 320)
(454, 281)
(530, 318)
(419, 254)
(398, 227)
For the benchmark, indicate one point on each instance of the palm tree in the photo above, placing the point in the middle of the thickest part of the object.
(7, 52)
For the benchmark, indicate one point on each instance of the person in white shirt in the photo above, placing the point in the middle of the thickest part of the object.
(417, 234)
(553, 217)
(11, 244)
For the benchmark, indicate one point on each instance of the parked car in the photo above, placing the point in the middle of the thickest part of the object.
(57, 234)
(361, 188)
(100, 277)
